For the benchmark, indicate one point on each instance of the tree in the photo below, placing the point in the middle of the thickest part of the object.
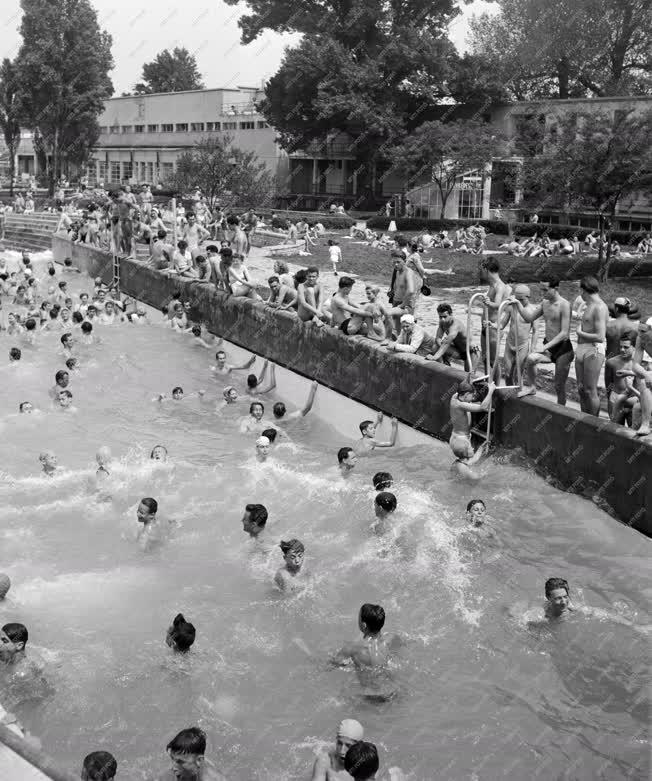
(367, 68)
(63, 67)
(170, 71)
(591, 161)
(563, 49)
(220, 169)
(443, 152)
(9, 114)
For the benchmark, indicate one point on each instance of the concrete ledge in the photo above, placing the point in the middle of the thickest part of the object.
(581, 453)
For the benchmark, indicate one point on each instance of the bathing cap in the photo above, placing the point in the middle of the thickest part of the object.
(227, 390)
(407, 319)
(465, 387)
(624, 302)
(5, 585)
(521, 290)
(351, 729)
(262, 441)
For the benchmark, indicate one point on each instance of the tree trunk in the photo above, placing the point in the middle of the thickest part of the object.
(604, 270)
(55, 172)
(563, 77)
(12, 168)
(444, 201)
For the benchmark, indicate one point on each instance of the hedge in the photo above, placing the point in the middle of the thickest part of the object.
(501, 227)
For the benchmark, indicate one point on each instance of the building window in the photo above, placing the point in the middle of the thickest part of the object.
(182, 127)
(167, 171)
(262, 125)
(152, 128)
(197, 127)
(167, 128)
(114, 129)
(149, 176)
(101, 171)
(127, 128)
(139, 128)
(230, 125)
(247, 125)
(127, 170)
(103, 128)
(114, 171)
(471, 191)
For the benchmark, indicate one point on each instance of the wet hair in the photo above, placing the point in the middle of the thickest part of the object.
(492, 265)
(343, 453)
(188, 741)
(65, 392)
(196, 330)
(312, 270)
(386, 501)
(218, 353)
(252, 381)
(71, 363)
(62, 284)
(553, 583)
(100, 766)
(300, 277)
(465, 387)
(22, 405)
(30, 324)
(17, 633)
(589, 284)
(361, 761)
(200, 258)
(60, 375)
(15, 353)
(151, 455)
(257, 513)
(472, 504)
(273, 278)
(177, 389)
(212, 248)
(279, 409)
(443, 309)
(365, 424)
(183, 633)
(271, 434)
(87, 327)
(291, 545)
(373, 616)
(151, 504)
(345, 282)
(51, 272)
(65, 336)
(254, 404)
(54, 312)
(382, 480)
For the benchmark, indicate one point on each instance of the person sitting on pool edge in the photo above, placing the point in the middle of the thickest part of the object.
(181, 635)
(187, 753)
(349, 733)
(99, 766)
(288, 577)
(368, 441)
(347, 459)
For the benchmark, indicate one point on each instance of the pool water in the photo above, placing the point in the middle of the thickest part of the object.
(481, 696)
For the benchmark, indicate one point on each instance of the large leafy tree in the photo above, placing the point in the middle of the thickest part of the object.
(563, 49)
(223, 171)
(10, 114)
(63, 66)
(369, 68)
(170, 71)
(591, 161)
(442, 152)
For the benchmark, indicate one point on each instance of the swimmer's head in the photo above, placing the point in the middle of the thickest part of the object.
(256, 410)
(65, 398)
(293, 552)
(279, 410)
(71, 363)
(220, 357)
(346, 458)
(252, 381)
(48, 460)
(186, 751)
(77, 318)
(181, 635)
(26, 407)
(368, 429)
(557, 593)
(371, 619)
(177, 393)
(384, 504)
(382, 480)
(99, 766)
(196, 330)
(349, 733)
(103, 456)
(271, 434)
(13, 638)
(465, 389)
(14, 354)
(147, 510)
(5, 585)
(476, 511)
(254, 519)
(159, 453)
(262, 448)
(67, 341)
(30, 324)
(230, 394)
(86, 327)
(361, 761)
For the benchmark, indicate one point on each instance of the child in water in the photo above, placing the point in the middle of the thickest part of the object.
(288, 577)
(181, 635)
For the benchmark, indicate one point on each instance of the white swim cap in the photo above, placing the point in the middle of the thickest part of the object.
(409, 319)
(351, 729)
(262, 441)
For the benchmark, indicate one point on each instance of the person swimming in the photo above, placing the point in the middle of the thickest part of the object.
(384, 507)
(99, 766)
(382, 481)
(49, 463)
(229, 396)
(368, 441)
(159, 453)
(181, 635)
(262, 448)
(103, 458)
(346, 459)
(288, 577)
(331, 761)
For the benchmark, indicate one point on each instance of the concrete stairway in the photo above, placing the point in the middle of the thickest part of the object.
(30, 231)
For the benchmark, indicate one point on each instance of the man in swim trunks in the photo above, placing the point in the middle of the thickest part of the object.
(310, 298)
(590, 353)
(497, 293)
(616, 327)
(348, 318)
(450, 340)
(463, 404)
(372, 655)
(642, 368)
(558, 348)
(517, 344)
(349, 733)
(622, 396)
(281, 296)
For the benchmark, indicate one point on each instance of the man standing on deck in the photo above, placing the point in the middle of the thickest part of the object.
(517, 344)
(558, 348)
(590, 353)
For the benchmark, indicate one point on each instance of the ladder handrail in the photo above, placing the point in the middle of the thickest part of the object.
(468, 324)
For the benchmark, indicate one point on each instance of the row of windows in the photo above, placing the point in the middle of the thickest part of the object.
(184, 127)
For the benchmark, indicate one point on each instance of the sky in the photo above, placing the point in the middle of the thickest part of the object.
(207, 28)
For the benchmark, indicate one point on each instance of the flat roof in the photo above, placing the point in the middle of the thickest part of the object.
(188, 91)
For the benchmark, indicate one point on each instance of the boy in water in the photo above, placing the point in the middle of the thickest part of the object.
(61, 381)
(384, 506)
(477, 528)
(152, 532)
(280, 410)
(372, 655)
(103, 458)
(48, 462)
(263, 445)
(99, 766)
(254, 384)
(368, 441)
(466, 401)
(254, 520)
(349, 733)
(346, 459)
(253, 423)
(16, 667)
(382, 481)
(181, 635)
(186, 751)
(223, 368)
(288, 577)
(558, 602)
(65, 401)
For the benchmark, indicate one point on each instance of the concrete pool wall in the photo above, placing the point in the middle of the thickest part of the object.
(579, 452)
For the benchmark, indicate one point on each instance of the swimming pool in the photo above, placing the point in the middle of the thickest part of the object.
(480, 695)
